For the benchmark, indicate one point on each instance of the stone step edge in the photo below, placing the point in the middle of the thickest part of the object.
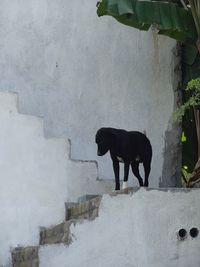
(57, 234)
(25, 256)
(78, 210)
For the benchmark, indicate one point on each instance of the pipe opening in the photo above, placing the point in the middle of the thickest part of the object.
(182, 234)
(194, 232)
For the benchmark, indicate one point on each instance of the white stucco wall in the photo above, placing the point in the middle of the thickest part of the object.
(138, 230)
(37, 178)
(81, 72)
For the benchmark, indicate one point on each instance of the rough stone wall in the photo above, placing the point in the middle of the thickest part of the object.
(81, 72)
(173, 148)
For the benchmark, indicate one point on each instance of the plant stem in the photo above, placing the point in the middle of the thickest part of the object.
(195, 13)
(197, 123)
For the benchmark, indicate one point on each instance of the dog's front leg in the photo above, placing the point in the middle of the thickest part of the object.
(126, 172)
(116, 171)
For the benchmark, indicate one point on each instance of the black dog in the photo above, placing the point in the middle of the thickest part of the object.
(131, 148)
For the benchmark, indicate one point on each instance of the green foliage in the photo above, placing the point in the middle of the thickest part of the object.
(195, 9)
(194, 85)
(193, 89)
(190, 65)
(183, 137)
(170, 18)
(190, 52)
(185, 176)
(189, 143)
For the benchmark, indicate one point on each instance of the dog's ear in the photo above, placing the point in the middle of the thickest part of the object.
(106, 134)
(105, 140)
(110, 134)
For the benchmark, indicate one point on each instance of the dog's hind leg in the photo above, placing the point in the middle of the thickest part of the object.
(126, 172)
(147, 169)
(135, 170)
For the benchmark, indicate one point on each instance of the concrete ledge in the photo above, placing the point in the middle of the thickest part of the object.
(131, 190)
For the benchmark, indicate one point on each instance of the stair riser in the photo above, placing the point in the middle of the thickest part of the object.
(25, 257)
(86, 210)
(58, 234)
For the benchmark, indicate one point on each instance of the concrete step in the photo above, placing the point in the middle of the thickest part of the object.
(25, 257)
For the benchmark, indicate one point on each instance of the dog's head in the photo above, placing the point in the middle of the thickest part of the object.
(104, 141)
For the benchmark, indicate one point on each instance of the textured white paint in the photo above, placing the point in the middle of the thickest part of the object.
(36, 177)
(138, 230)
(81, 72)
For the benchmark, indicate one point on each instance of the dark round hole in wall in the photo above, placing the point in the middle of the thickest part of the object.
(194, 232)
(182, 234)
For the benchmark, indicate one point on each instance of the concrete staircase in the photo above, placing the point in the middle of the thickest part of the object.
(86, 208)
(37, 176)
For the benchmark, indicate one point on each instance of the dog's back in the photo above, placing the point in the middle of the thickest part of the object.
(130, 144)
(139, 144)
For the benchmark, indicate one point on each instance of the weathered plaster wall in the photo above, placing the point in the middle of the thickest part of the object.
(81, 72)
(138, 230)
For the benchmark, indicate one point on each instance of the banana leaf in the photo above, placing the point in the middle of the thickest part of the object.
(169, 17)
(189, 52)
